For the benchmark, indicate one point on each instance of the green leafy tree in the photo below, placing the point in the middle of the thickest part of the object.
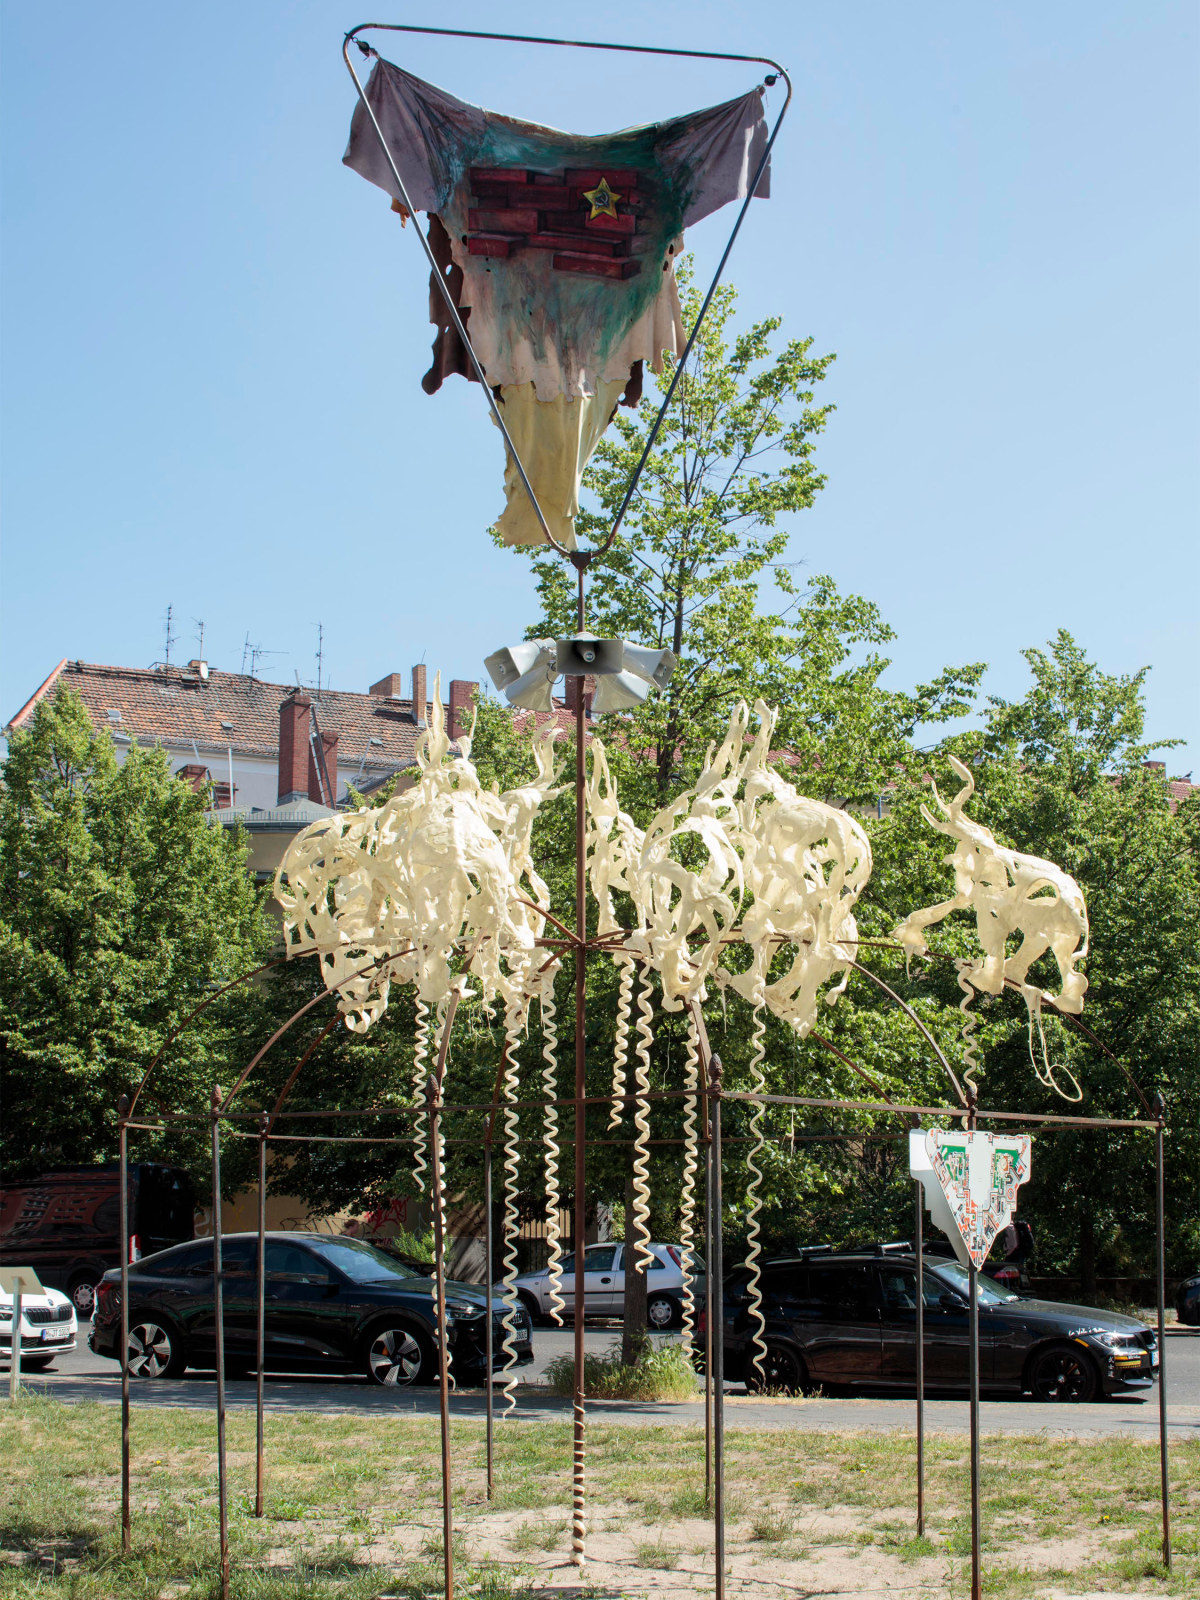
(121, 906)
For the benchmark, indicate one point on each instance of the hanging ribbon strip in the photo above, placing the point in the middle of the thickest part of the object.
(512, 1218)
(687, 1199)
(641, 1122)
(550, 1138)
(1010, 893)
(621, 1040)
(421, 1119)
(753, 1204)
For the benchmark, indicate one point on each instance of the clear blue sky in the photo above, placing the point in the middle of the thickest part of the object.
(214, 333)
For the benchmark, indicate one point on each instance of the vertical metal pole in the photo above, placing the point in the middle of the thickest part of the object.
(717, 1277)
(123, 1164)
(219, 1338)
(973, 1325)
(1162, 1341)
(439, 1272)
(708, 1321)
(14, 1348)
(919, 1238)
(487, 1253)
(579, 1420)
(260, 1348)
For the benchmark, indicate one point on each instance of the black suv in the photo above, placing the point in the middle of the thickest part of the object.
(850, 1319)
(332, 1305)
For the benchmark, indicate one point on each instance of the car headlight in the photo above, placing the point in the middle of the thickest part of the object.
(464, 1310)
(5, 1313)
(1118, 1341)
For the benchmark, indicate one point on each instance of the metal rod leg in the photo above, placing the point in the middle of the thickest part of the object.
(123, 1145)
(717, 1275)
(1162, 1346)
(487, 1268)
(919, 1243)
(578, 1406)
(973, 1273)
(709, 1312)
(260, 1347)
(219, 1332)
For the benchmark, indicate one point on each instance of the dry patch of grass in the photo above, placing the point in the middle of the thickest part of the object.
(353, 1511)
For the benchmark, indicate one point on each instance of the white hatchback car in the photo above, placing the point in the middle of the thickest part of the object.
(48, 1328)
(604, 1285)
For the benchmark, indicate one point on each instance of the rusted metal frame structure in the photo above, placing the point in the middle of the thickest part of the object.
(714, 1094)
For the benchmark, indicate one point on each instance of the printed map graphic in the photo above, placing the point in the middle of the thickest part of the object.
(980, 1174)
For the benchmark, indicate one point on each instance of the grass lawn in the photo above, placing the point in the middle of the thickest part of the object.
(353, 1511)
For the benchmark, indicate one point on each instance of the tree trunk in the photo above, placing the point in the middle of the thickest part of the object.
(633, 1324)
(1087, 1255)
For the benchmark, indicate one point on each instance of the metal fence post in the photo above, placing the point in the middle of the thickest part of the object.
(219, 1336)
(260, 1346)
(717, 1275)
(123, 1164)
(1161, 1265)
(919, 1239)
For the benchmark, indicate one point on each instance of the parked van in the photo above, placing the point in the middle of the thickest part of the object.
(66, 1225)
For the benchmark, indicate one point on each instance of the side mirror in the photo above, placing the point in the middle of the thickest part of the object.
(952, 1302)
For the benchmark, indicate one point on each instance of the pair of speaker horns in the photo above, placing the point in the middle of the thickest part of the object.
(625, 673)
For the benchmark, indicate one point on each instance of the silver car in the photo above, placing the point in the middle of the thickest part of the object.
(604, 1285)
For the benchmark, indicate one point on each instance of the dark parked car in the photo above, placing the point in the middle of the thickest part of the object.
(67, 1224)
(332, 1305)
(850, 1319)
(1187, 1302)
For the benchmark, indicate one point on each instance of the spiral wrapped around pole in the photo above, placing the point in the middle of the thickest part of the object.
(421, 1119)
(641, 1122)
(970, 1024)
(512, 1220)
(687, 1203)
(753, 1203)
(621, 1041)
(550, 1137)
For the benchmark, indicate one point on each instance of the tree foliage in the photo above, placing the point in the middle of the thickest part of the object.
(120, 907)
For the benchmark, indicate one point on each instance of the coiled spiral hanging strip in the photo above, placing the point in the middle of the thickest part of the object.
(753, 1203)
(970, 1023)
(641, 1122)
(621, 1041)
(687, 1203)
(511, 1225)
(420, 1124)
(550, 1137)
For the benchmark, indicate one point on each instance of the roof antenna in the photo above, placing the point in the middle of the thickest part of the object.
(320, 654)
(254, 651)
(170, 640)
(200, 634)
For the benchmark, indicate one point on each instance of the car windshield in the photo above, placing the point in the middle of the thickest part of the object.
(956, 1275)
(363, 1262)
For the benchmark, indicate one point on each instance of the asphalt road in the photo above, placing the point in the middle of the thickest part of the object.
(84, 1376)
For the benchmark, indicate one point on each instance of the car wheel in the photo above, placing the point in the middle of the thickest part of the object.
(662, 1312)
(1063, 1373)
(36, 1363)
(83, 1297)
(781, 1372)
(400, 1356)
(155, 1350)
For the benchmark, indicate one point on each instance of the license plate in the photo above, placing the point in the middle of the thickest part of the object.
(1154, 1358)
(51, 1335)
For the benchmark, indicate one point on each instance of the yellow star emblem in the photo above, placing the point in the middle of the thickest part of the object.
(602, 200)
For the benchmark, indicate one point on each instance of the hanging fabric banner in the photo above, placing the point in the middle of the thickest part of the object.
(560, 253)
(970, 1182)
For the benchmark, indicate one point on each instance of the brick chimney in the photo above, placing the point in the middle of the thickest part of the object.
(461, 709)
(571, 693)
(295, 718)
(392, 686)
(420, 700)
(316, 789)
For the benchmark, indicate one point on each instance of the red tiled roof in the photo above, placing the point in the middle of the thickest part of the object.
(178, 707)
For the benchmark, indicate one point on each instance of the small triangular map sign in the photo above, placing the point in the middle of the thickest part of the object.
(978, 1175)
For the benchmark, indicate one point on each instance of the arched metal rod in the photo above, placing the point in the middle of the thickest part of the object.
(191, 1017)
(439, 278)
(324, 994)
(854, 1067)
(912, 1015)
(1067, 1016)
(297, 1070)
